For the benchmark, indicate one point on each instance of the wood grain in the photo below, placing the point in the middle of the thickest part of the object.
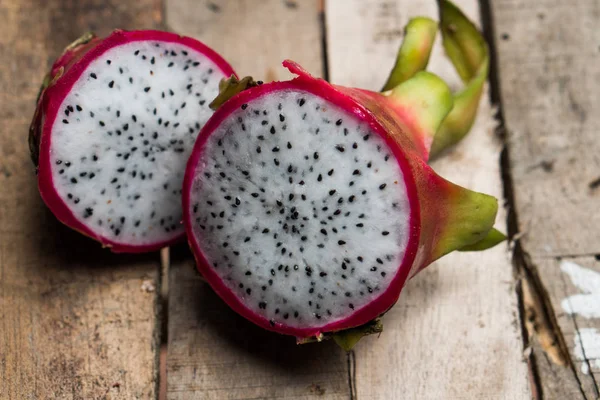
(212, 352)
(548, 68)
(454, 332)
(254, 36)
(74, 322)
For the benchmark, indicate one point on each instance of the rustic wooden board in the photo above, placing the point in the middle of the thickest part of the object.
(254, 36)
(454, 332)
(548, 66)
(74, 320)
(212, 352)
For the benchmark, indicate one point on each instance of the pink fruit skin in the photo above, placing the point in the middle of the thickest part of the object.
(75, 62)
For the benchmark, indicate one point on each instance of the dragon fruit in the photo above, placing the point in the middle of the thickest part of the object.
(116, 120)
(308, 205)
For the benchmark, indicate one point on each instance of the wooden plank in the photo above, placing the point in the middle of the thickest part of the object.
(454, 332)
(549, 103)
(74, 321)
(548, 65)
(212, 352)
(254, 36)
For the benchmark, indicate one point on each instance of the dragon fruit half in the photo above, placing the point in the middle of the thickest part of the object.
(115, 123)
(308, 205)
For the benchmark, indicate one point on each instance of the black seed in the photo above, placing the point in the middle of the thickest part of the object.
(301, 102)
(332, 192)
(316, 155)
(275, 149)
(382, 186)
(88, 212)
(147, 89)
(340, 148)
(341, 242)
(356, 172)
(93, 75)
(354, 145)
(383, 273)
(111, 84)
(360, 225)
(385, 233)
(248, 291)
(73, 180)
(272, 130)
(366, 137)
(320, 178)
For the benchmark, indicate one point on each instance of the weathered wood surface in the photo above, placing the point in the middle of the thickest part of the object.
(74, 321)
(455, 331)
(212, 352)
(548, 67)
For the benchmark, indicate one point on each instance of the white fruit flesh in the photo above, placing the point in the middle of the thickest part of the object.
(300, 209)
(122, 137)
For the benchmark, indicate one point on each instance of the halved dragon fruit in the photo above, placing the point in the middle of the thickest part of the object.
(308, 205)
(115, 123)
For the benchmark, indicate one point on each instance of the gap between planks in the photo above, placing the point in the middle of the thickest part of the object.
(536, 262)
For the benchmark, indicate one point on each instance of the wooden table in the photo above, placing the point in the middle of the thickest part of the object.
(516, 322)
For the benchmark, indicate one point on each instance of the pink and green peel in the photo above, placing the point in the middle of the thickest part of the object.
(468, 52)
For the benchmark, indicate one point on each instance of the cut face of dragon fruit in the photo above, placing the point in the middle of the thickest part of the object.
(119, 124)
(301, 208)
(309, 205)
